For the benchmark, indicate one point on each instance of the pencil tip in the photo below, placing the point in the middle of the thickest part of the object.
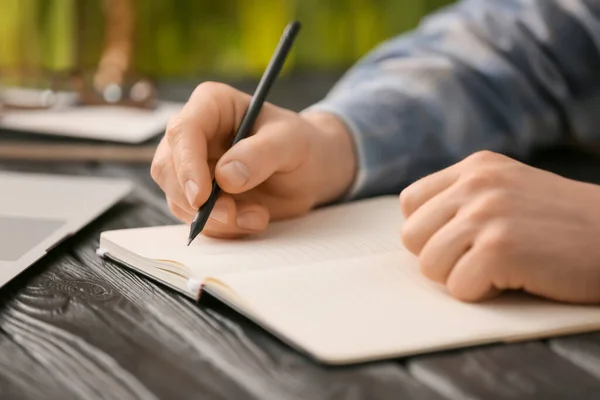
(190, 241)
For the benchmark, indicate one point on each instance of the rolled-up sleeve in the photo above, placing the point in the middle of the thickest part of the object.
(501, 75)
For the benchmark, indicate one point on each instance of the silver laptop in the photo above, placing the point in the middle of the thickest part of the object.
(37, 212)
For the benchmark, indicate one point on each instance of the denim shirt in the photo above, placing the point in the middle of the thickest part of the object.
(508, 76)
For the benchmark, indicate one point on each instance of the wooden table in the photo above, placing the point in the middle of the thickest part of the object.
(75, 326)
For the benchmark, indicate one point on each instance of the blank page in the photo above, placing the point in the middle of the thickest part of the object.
(339, 232)
(382, 307)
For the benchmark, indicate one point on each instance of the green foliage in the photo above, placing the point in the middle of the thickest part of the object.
(216, 37)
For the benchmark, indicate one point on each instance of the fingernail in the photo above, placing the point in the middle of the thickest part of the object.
(191, 191)
(219, 212)
(250, 220)
(235, 172)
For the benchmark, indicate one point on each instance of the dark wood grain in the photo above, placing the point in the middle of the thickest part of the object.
(517, 371)
(76, 327)
(81, 327)
(93, 329)
(582, 350)
(24, 377)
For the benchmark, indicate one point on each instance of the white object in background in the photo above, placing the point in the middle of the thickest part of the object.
(109, 123)
(38, 211)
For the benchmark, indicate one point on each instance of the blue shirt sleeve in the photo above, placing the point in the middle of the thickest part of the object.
(502, 75)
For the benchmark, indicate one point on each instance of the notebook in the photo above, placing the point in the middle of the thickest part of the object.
(338, 285)
(84, 133)
(110, 123)
(18, 145)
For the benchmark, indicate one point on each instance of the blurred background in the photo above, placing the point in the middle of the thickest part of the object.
(164, 48)
(62, 61)
(178, 39)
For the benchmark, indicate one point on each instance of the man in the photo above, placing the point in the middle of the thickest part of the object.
(503, 76)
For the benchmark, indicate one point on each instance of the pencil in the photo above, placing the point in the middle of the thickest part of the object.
(260, 94)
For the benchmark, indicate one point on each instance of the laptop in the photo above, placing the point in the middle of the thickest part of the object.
(38, 212)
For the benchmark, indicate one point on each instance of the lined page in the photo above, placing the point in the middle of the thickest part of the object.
(382, 307)
(342, 232)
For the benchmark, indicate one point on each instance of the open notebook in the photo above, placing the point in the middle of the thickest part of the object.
(338, 285)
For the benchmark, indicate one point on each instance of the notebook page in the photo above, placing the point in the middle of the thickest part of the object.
(381, 307)
(342, 232)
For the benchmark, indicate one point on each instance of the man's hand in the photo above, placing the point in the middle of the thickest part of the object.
(289, 165)
(490, 223)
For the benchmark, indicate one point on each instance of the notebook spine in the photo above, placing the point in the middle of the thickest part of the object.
(101, 252)
(194, 286)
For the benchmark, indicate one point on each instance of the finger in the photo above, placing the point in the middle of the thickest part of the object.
(180, 213)
(429, 218)
(163, 173)
(275, 147)
(231, 219)
(445, 248)
(417, 194)
(210, 115)
(471, 279)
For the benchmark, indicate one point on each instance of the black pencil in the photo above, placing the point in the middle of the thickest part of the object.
(260, 94)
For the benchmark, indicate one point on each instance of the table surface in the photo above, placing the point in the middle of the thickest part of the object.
(74, 326)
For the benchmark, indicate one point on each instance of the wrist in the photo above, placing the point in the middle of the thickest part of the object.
(333, 157)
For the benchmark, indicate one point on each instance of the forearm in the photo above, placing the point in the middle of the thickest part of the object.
(482, 75)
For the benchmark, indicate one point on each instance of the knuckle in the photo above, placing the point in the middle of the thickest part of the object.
(427, 267)
(456, 290)
(489, 206)
(174, 130)
(185, 158)
(483, 157)
(184, 163)
(212, 94)
(497, 240)
(476, 181)
(482, 179)
(211, 87)
(460, 293)
(481, 281)
(497, 201)
(407, 201)
(156, 169)
(409, 237)
(269, 145)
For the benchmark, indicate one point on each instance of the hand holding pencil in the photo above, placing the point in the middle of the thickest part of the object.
(283, 165)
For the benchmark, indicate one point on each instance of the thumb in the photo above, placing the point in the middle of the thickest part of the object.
(274, 148)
